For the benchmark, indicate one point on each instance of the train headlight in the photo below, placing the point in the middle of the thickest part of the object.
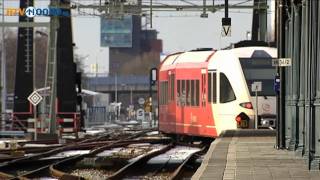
(238, 119)
(242, 120)
(247, 105)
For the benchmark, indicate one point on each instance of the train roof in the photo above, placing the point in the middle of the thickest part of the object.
(200, 57)
(255, 52)
(188, 57)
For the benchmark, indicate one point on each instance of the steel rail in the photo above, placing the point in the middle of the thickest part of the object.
(123, 171)
(42, 149)
(60, 174)
(5, 176)
(55, 169)
(176, 173)
(49, 153)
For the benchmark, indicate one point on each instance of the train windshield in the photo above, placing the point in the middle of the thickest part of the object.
(259, 69)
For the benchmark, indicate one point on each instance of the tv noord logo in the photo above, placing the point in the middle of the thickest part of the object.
(32, 12)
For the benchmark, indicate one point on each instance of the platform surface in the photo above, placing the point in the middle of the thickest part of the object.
(250, 155)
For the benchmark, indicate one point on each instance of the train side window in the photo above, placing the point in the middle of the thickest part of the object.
(226, 91)
(212, 87)
(188, 94)
(160, 94)
(172, 87)
(166, 92)
(193, 95)
(183, 93)
(209, 87)
(168, 95)
(203, 84)
(178, 91)
(163, 93)
(197, 92)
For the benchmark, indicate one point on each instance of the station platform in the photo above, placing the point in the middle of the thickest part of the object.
(250, 155)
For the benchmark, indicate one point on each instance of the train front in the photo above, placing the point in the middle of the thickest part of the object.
(230, 99)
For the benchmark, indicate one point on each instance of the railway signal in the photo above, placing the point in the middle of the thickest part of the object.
(153, 76)
(153, 80)
(35, 98)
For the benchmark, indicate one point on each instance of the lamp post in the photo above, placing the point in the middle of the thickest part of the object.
(96, 76)
(131, 95)
(116, 87)
(96, 68)
(128, 86)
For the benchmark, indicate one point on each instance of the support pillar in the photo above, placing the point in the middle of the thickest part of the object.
(301, 101)
(317, 97)
(296, 16)
(314, 158)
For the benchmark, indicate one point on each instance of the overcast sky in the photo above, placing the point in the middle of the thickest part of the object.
(179, 31)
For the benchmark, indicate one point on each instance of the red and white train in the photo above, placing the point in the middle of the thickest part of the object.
(202, 93)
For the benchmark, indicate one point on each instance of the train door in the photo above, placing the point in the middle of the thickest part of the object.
(180, 105)
(212, 94)
(206, 114)
(171, 99)
(226, 103)
(203, 89)
(183, 104)
(212, 111)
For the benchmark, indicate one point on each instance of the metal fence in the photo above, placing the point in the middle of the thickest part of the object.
(96, 115)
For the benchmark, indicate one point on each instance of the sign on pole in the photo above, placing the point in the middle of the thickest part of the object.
(35, 98)
(226, 31)
(226, 27)
(282, 62)
(141, 101)
(256, 86)
(140, 114)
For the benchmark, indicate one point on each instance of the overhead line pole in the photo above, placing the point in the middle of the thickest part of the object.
(51, 79)
(151, 9)
(3, 74)
(226, 11)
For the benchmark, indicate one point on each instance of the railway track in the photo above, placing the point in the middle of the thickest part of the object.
(128, 167)
(18, 167)
(162, 167)
(130, 157)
